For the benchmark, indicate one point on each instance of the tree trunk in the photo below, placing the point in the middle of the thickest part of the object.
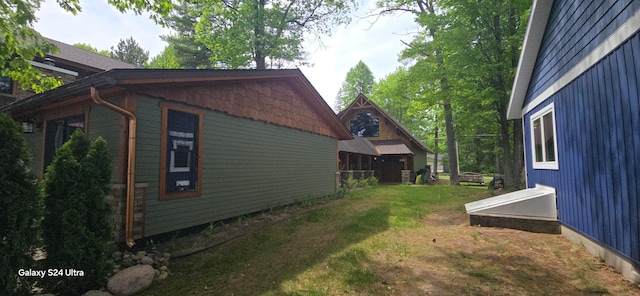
(451, 145)
(519, 179)
(435, 151)
(258, 32)
(513, 158)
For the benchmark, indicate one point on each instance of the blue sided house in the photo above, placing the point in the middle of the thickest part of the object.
(577, 93)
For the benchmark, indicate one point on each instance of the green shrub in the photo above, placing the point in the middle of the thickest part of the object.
(20, 209)
(351, 183)
(372, 181)
(75, 226)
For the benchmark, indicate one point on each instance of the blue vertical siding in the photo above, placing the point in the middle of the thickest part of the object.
(574, 29)
(598, 135)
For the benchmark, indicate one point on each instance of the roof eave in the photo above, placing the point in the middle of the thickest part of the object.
(130, 77)
(528, 56)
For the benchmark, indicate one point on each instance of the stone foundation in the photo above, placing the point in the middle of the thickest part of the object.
(117, 198)
(406, 176)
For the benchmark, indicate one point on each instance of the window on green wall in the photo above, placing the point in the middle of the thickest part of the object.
(58, 131)
(543, 139)
(181, 152)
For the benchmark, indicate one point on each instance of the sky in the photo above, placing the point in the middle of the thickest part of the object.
(376, 44)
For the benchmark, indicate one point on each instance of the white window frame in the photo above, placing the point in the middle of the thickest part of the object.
(543, 165)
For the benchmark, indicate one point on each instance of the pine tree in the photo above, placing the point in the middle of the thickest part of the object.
(96, 168)
(20, 209)
(75, 226)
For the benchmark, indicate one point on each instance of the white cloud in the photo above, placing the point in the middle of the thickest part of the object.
(377, 45)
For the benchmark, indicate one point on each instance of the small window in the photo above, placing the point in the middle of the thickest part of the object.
(6, 86)
(365, 126)
(543, 139)
(58, 131)
(181, 153)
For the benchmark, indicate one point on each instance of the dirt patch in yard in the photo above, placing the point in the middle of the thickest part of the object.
(460, 259)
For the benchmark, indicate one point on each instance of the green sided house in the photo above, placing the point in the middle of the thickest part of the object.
(193, 146)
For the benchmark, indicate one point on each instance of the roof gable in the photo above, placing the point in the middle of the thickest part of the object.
(361, 101)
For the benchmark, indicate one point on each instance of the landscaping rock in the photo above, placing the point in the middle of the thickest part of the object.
(146, 260)
(127, 262)
(131, 280)
(116, 255)
(163, 275)
(96, 293)
(141, 253)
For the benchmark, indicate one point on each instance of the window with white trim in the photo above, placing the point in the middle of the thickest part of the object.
(544, 145)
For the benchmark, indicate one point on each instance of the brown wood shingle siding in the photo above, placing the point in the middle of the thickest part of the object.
(273, 102)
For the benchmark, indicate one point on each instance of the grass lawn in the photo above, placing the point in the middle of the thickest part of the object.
(392, 240)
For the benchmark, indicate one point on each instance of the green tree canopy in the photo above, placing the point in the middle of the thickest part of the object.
(464, 59)
(264, 34)
(359, 79)
(167, 59)
(128, 50)
(190, 53)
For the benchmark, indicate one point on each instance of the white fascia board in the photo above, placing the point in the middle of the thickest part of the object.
(628, 29)
(532, 41)
(52, 68)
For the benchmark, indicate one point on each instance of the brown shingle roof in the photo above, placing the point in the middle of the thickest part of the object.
(358, 145)
(72, 54)
(386, 147)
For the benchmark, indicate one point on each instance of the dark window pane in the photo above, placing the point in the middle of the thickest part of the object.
(6, 85)
(537, 140)
(550, 151)
(181, 159)
(182, 147)
(58, 131)
(365, 126)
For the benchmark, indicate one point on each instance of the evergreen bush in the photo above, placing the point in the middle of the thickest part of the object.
(20, 209)
(76, 220)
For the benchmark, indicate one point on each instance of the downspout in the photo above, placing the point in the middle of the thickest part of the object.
(131, 163)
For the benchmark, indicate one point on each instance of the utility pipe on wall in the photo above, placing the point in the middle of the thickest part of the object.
(131, 163)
